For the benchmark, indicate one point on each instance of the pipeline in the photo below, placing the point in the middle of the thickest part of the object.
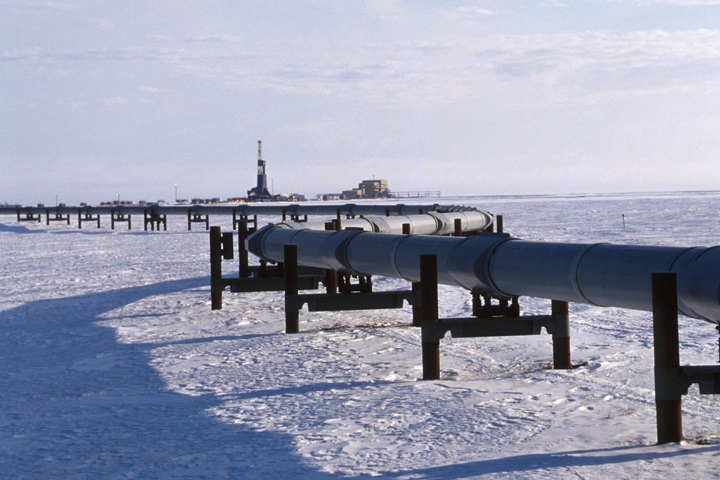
(432, 223)
(596, 274)
(242, 209)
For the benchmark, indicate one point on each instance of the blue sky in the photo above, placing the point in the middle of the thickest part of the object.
(101, 98)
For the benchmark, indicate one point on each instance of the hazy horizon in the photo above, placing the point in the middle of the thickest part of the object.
(465, 97)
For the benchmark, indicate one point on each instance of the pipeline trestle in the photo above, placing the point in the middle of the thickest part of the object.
(87, 217)
(493, 322)
(359, 297)
(671, 380)
(154, 219)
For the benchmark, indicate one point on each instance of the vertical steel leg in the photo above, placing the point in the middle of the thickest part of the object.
(216, 268)
(668, 400)
(243, 233)
(561, 335)
(292, 317)
(429, 305)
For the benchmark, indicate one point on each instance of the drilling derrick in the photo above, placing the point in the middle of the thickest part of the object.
(260, 192)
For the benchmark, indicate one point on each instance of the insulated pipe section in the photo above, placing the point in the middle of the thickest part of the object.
(432, 223)
(597, 274)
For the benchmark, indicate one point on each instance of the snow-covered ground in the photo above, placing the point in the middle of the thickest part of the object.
(113, 366)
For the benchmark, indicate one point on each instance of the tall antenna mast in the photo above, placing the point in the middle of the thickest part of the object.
(259, 150)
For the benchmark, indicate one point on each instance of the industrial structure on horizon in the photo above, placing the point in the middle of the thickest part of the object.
(368, 189)
(260, 192)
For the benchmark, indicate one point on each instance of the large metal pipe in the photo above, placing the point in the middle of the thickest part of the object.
(432, 223)
(596, 274)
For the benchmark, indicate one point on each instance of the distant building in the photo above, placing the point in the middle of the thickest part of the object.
(289, 197)
(368, 189)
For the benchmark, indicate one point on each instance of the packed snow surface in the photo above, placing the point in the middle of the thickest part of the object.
(115, 367)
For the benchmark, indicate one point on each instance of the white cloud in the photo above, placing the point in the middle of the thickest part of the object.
(410, 84)
(475, 10)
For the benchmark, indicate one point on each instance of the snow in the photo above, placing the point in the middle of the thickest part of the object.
(114, 366)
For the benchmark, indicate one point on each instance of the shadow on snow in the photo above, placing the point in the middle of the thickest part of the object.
(547, 461)
(74, 403)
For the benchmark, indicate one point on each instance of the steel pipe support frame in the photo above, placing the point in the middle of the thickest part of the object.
(251, 278)
(29, 216)
(239, 218)
(331, 301)
(671, 380)
(58, 217)
(87, 217)
(116, 216)
(435, 328)
(153, 218)
(307, 280)
(194, 217)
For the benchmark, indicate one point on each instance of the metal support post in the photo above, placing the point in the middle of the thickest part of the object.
(221, 247)
(561, 335)
(331, 281)
(458, 228)
(148, 219)
(216, 287)
(668, 398)
(429, 306)
(243, 233)
(416, 308)
(331, 276)
(338, 220)
(292, 316)
(499, 224)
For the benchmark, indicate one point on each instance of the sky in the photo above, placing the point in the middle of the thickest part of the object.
(141, 98)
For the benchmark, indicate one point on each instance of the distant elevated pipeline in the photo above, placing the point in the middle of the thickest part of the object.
(596, 274)
(241, 209)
